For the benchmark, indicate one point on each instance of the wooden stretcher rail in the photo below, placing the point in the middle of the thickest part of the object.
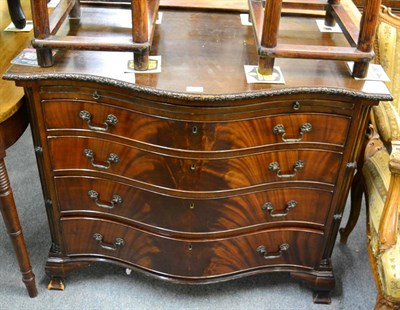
(47, 25)
(359, 36)
(92, 43)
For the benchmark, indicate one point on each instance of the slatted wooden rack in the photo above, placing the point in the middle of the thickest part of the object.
(46, 25)
(266, 18)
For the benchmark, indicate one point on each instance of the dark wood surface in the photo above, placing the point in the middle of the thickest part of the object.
(235, 5)
(195, 171)
(13, 122)
(232, 46)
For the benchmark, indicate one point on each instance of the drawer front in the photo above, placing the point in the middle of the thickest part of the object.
(70, 153)
(211, 135)
(191, 258)
(101, 196)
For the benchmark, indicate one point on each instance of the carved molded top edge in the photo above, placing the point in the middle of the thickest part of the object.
(198, 96)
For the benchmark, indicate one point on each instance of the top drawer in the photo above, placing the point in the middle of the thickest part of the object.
(180, 132)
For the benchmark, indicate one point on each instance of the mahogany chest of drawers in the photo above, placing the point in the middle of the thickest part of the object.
(196, 188)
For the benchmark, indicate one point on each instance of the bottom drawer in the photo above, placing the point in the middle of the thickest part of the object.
(191, 258)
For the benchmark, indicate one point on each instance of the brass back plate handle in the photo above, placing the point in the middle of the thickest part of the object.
(108, 246)
(269, 207)
(111, 120)
(280, 130)
(112, 158)
(274, 166)
(115, 199)
(284, 247)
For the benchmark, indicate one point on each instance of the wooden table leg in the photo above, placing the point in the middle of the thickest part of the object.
(11, 220)
(330, 20)
(140, 32)
(269, 38)
(368, 26)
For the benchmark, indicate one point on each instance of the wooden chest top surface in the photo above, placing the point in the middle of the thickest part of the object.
(198, 49)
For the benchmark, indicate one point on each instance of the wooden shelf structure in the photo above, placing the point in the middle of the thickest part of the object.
(46, 26)
(266, 15)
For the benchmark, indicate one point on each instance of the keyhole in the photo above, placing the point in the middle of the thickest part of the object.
(96, 95)
(296, 106)
(194, 130)
(193, 167)
(191, 205)
(190, 247)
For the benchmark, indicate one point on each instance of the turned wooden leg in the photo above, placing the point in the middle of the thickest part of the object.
(140, 32)
(266, 65)
(329, 18)
(76, 10)
(368, 25)
(269, 37)
(141, 61)
(45, 57)
(41, 27)
(357, 190)
(11, 220)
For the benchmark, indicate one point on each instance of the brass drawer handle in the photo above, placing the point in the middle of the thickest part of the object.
(280, 130)
(112, 158)
(269, 207)
(111, 120)
(274, 166)
(263, 251)
(108, 246)
(115, 199)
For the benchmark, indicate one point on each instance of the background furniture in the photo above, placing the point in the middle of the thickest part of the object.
(16, 13)
(380, 177)
(196, 187)
(13, 122)
(360, 35)
(234, 5)
(143, 17)
(394, 5)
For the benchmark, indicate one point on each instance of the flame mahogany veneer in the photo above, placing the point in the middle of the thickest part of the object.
(238, 180)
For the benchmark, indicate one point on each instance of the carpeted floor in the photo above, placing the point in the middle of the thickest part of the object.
(104, 286)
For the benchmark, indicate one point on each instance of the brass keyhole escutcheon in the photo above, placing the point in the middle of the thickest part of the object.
(296, 106)
(195, 130)
(96, 95)
(190, 247)
(193, 166)
(191, 205)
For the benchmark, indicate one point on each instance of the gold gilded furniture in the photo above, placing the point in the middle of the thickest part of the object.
(380, 177)
(394, 5)
(142, 21)
(236, 180)
(13, 122)
(360, 35)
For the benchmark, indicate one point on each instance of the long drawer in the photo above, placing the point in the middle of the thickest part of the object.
(191, 135)
(194, 174)
(103, 197)
(91, 237)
